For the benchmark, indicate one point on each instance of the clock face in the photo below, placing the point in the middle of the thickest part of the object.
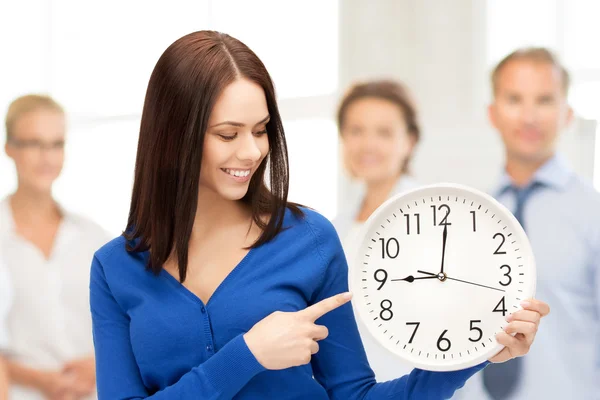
(437, 271)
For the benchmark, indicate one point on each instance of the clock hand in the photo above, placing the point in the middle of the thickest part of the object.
(460, 280)
(411, 278)
(444, 237)
(476, 284)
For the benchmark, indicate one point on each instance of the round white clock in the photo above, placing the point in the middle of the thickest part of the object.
(437, 271)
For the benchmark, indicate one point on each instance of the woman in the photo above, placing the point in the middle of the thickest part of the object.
(47, 251)
(219, 287)
(379, 129)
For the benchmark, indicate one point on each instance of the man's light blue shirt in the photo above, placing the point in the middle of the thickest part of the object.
(562, 220)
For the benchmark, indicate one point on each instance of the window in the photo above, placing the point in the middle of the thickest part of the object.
(96, 59)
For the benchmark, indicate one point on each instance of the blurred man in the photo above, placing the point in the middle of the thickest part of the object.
(561, 215)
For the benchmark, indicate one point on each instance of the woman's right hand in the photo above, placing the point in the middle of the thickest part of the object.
(289, 339)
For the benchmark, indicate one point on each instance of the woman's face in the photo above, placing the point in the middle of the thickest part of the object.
(375, 139)
(36, 146)
(236, 140)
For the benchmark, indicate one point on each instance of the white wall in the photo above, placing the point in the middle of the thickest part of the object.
(440, 50)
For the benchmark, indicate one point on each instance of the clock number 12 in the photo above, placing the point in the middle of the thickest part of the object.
(444, 220)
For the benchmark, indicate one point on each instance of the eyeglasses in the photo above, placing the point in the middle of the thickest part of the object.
(37, 145)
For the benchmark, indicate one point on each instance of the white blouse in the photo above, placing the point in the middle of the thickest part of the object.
(5, 302)
(49, 322)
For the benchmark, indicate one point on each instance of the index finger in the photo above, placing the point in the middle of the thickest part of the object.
(536, 305)
(321, 308)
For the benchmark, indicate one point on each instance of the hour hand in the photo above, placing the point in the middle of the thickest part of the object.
(411, 278)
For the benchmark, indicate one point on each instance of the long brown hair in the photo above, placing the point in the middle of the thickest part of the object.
(385, 89)
(183, 88)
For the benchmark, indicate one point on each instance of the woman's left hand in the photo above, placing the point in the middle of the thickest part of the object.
(525, 324)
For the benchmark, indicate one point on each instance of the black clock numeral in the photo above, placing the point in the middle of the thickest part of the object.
(418, 217)
(474, 328)
(474, 223)
(386, 311)
(444, 221)
(507, 275)
(391, 251)
(498, 251)
(441, 340)
(416, 324)
(377, 276)
(501, 304)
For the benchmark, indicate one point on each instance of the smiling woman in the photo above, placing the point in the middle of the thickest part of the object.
(219, 287)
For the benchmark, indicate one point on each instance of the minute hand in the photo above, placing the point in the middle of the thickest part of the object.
(444, 237)
(460, 280)
(476, 284)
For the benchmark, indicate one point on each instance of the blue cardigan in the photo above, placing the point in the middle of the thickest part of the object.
(155, 339)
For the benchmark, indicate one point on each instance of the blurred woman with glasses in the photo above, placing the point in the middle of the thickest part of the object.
(47, 251)
(5, 299)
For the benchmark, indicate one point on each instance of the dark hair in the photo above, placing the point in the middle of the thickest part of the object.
(182, 91)
(392, 91)
(533, 54)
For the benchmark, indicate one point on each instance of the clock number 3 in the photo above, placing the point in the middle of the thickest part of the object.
(506, 275)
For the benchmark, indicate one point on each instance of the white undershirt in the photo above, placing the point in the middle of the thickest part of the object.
(49, 322)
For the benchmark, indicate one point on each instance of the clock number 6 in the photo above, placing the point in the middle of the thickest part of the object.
(386, 311)
(441, 340)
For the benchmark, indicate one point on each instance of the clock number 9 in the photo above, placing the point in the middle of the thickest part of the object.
(385, 248)
(441, 340)
(386, 311)
(377, 277)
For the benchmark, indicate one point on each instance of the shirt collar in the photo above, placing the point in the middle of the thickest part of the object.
(555, 173)
(7, 223)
